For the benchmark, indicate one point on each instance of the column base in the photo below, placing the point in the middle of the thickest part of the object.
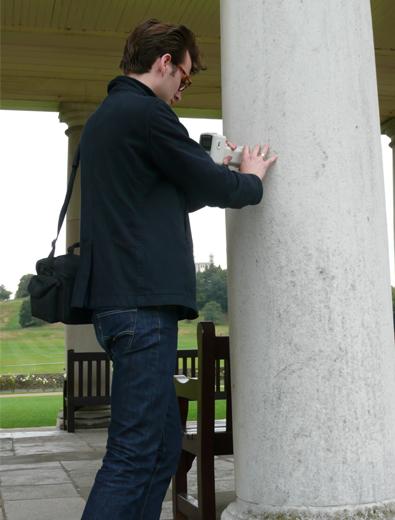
(378, 511)
(88, 417)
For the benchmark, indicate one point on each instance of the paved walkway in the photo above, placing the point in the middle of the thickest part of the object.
(47, 474)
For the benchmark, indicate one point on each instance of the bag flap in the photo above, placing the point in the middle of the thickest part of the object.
(40, 284)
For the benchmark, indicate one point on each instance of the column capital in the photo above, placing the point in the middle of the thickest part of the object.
(75, 114)
(388, 128)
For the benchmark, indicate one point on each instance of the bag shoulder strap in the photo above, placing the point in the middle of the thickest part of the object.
(70, 184)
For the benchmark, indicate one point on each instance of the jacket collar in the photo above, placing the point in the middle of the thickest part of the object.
(126, 83)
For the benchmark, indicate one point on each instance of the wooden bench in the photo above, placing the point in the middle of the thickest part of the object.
(209, 437)
(88, 380)
(187, 362)
(88, 383)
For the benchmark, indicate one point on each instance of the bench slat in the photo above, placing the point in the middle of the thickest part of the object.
(80, 378)
(217, 375)
(89, 389)
(107, 377)
(98, 377)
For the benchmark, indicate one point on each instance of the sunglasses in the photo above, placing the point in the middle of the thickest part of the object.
(185, 80)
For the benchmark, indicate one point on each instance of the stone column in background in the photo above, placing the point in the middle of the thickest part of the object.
(312, 340)
(81, 338)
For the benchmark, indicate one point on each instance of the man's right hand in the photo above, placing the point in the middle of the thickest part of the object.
(253, 160)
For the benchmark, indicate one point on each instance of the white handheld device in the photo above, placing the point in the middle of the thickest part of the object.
(216, 146)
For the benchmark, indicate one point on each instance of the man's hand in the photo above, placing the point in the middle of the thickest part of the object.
(253, 161)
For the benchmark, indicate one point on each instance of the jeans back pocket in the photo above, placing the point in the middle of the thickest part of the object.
(114, 325)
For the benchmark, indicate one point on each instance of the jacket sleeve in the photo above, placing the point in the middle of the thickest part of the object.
(184, 162)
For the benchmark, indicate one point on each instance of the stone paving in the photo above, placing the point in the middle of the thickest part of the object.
(47, 474)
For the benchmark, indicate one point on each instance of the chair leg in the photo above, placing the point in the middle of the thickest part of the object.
(64, 414)
(70, 418)
(64, 405)
(180, 482)
(206, 487)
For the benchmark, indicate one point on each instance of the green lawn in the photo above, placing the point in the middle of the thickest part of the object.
(39, 350)
(220, 410)
(25, 412)
(187, 333)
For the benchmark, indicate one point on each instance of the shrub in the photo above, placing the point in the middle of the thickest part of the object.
(211, 286)
(22, 292)
(4, 293)
(12, 382)
(212, 312)
(25, 316)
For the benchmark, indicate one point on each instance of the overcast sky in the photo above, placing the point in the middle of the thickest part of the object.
(33, 163)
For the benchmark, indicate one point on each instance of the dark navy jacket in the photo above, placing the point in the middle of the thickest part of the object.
(140, 176)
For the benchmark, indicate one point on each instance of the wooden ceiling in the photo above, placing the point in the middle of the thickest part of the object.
(56, 51)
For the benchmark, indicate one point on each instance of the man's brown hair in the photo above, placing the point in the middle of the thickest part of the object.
(152, 39)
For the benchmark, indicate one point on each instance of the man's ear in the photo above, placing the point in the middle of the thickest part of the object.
(165, 59)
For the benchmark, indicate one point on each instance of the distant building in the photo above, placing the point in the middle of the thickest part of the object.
(202, 266)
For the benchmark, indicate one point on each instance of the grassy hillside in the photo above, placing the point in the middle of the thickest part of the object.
(9, 314)
(33, 350)
(39, 350)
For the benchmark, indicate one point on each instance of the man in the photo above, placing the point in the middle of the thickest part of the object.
(140, 176)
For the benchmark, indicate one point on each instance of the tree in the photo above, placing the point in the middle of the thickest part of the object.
(4, 294)
(212, 312)
(211, 286)
(25, 316)
(21, 292)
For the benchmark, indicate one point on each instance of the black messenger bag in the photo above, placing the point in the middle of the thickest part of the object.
(51, 290)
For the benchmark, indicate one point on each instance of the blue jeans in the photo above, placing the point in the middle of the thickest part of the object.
(144, 436)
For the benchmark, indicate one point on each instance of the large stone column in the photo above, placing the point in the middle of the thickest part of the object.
(313, 356)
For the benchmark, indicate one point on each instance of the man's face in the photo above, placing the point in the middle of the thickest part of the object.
(173, 76)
